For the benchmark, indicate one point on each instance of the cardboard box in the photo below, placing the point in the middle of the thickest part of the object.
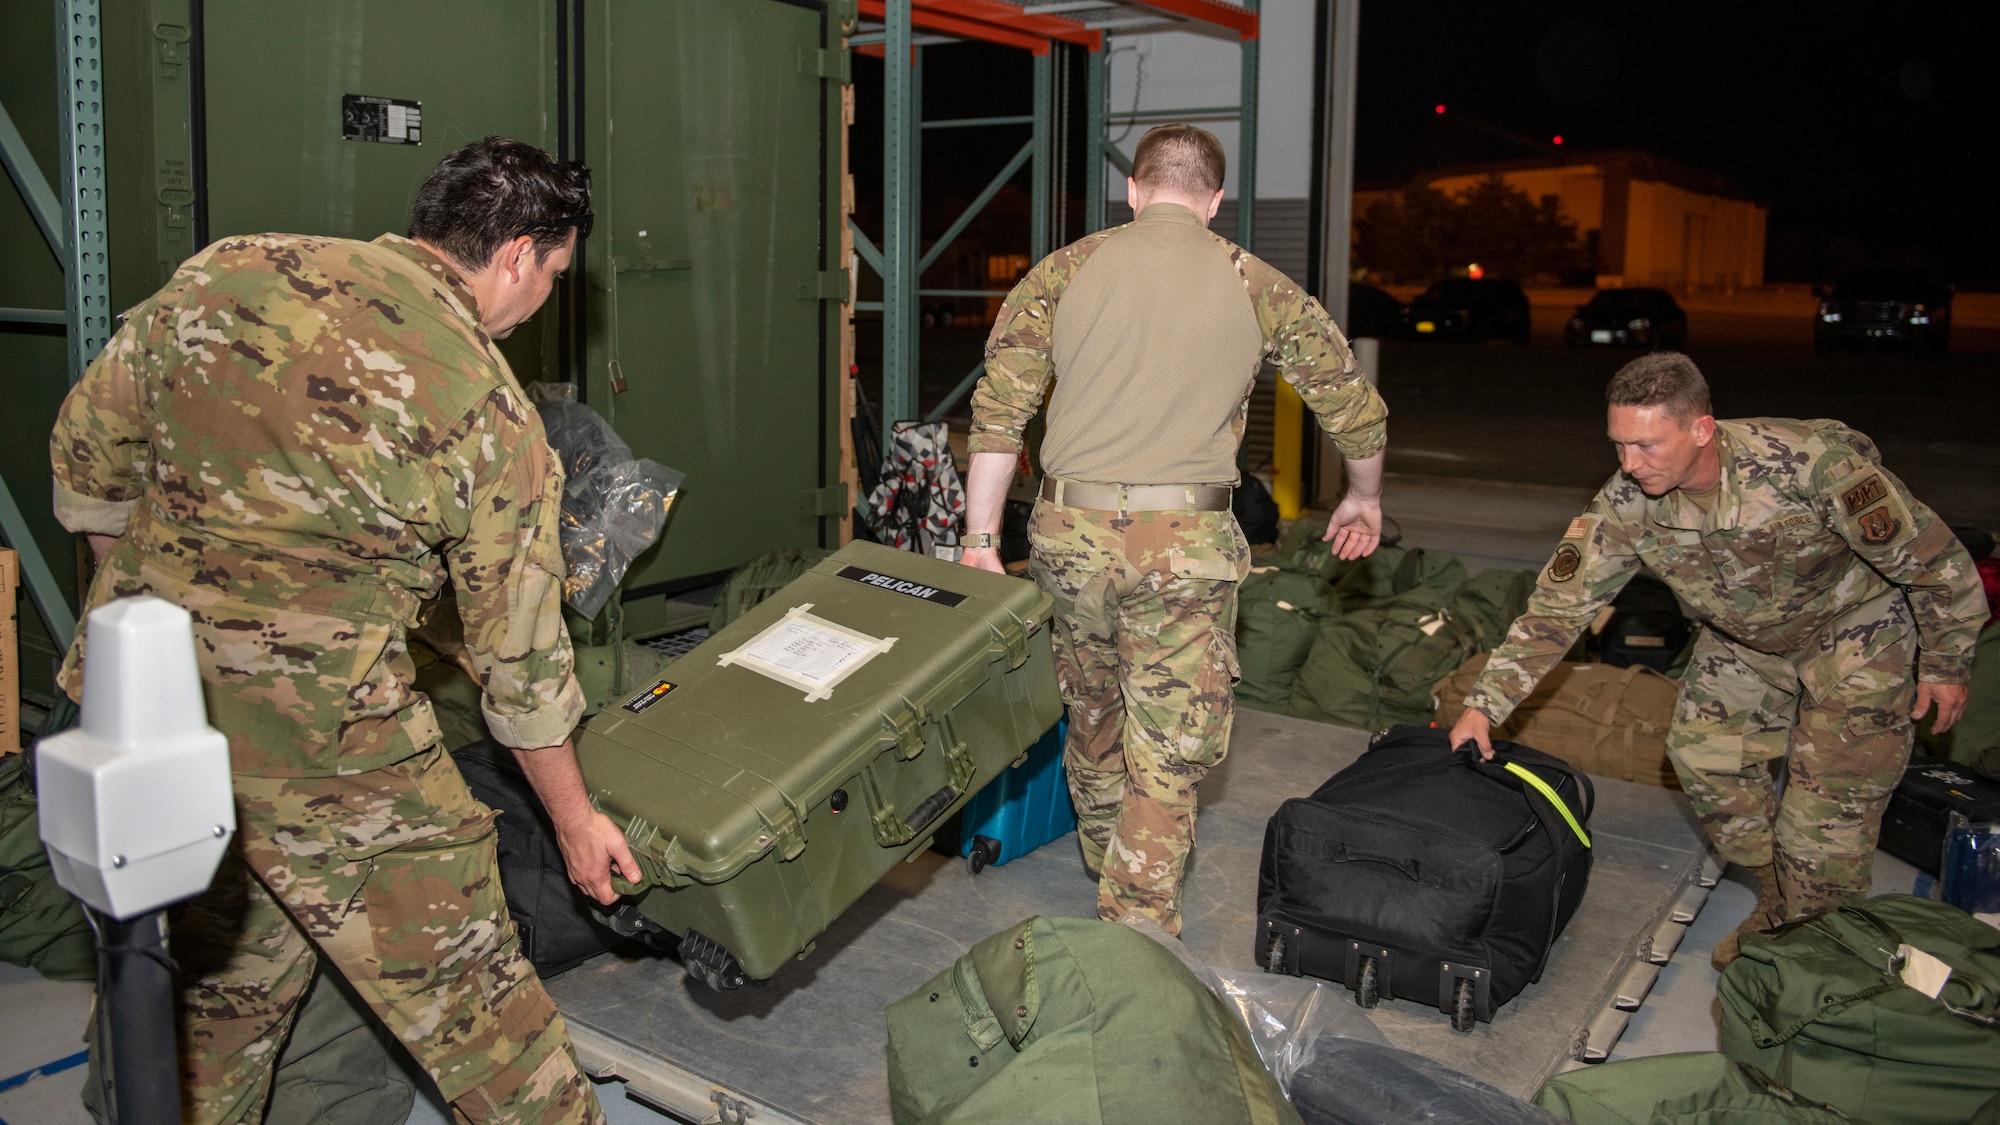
(10, 653)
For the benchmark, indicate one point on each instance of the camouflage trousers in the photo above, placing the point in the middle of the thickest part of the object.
(1145, 647)
(1843, 754)
(391, 878)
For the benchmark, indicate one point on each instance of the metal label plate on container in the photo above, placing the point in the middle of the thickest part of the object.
(389, 121)
(638, 703)
(900, 585)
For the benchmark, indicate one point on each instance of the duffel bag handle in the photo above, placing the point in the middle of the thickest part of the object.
(1584, 788)
(1985, 1004)
(1506, 769)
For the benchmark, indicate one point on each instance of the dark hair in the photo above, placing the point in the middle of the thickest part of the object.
(1184, 158)
(1667, 379)
(494, 190)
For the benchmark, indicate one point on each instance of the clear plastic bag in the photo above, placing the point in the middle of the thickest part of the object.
(614, 505)
(1286, 1015)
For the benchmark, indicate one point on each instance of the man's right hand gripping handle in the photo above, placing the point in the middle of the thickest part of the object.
(1474, 727)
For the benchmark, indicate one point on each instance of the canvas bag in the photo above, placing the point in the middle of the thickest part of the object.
(1603, 720)
(759, 579)
(1073, 1021)
(1278, 616)
(1820, 1005)
(1699, 1088)
(1377, 668)
(41, 926)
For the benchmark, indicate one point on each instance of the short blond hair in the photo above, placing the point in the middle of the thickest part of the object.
(1181, 158)
(1667, 379)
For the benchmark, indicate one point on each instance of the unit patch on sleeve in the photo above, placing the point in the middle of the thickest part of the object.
(1563, 567)
(1878, 525)
(1861, 495)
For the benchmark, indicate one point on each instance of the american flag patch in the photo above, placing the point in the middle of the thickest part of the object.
(1579, 528)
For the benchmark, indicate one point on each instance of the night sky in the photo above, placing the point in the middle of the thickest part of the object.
(1867, 127)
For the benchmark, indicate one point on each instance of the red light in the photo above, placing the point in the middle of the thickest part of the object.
(1439, 108)
(1559, 138)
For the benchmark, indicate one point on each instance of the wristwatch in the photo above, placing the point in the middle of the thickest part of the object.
(977, 541)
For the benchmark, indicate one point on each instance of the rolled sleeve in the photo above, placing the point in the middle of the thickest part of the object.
(89, 515)
(98, 448)
(507, 571)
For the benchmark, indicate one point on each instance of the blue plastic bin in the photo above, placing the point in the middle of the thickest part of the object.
(1025, 807)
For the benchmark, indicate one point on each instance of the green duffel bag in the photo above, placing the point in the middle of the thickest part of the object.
(1278, 614)
(1702, 1088)
(41, 926)
(1375, 578)
(1820, 1005)
(1390, 572)
(759, 579)
(1073, 1021)
(1376, 668)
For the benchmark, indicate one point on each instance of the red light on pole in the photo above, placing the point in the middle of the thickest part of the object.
(1559, 138)
(1439, 108)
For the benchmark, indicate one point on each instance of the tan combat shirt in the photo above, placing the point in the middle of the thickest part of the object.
(1810, 560)
(1155, 348)
(298, 440)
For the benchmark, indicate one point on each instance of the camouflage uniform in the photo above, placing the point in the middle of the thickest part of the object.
(1817, 580)
(299, 440)
(1146, 600)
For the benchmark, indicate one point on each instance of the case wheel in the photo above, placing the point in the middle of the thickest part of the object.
(985, 850)
(710, 963)
(1274, 958)
(1462, 1015)
(1367, 992)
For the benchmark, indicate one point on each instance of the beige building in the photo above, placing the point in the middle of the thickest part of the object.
(1652, 221)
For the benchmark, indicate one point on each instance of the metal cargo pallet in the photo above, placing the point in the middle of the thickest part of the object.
(809, 1048)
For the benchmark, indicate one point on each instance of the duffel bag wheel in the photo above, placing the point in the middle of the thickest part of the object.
(1274, 959)
(1462, 1017)
(985, 850)
(1367, 992)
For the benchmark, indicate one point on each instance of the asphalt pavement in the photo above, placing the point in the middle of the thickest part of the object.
(1535, 414)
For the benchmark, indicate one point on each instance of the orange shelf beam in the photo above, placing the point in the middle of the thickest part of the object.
(1242, 21)
(932, 20)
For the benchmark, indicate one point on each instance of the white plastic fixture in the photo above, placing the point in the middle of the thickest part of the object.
(136, 804)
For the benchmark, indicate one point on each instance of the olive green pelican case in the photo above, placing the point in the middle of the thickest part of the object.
(778, 771)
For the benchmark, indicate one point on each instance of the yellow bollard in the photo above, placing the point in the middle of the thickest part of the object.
(1288, 452)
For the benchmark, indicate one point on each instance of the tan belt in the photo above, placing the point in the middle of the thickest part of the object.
(1136, 497)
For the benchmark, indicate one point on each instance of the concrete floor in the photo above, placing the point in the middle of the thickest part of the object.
(1486, 524)
(41, 1039)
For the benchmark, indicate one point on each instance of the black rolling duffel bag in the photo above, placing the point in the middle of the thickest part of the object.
(1422, 874)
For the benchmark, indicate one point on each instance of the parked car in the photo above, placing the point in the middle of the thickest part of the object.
(1629, 318)
(1461, 308)
(1879, 306)
(1372, 312)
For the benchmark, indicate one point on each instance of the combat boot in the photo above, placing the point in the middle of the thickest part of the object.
(1769, 911)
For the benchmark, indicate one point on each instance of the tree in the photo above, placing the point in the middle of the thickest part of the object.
(1422, 234)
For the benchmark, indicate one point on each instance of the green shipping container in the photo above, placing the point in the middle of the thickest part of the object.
(777, 772)
(703, 318)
